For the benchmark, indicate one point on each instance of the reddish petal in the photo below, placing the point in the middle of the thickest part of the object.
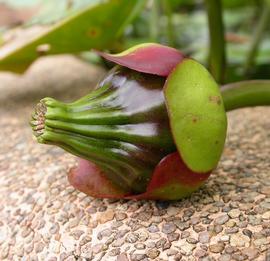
(172, 180)
(88, 178)
(149, 58)
(171, 168)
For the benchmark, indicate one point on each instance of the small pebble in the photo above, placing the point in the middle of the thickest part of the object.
(171, 252)
(120, 216)
(131, 238)
(173, 237)
(204, 237)
(216, 248)
(140, 246)
(153, 253)
(221, 219)
(168, 228)
(225, 257)
(153, 229)
(239, 240)
(200, 253)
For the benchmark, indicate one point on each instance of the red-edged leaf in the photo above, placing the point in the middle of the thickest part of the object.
(149, 58)
(88, 178)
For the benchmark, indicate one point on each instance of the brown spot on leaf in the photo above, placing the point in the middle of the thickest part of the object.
(195, 119)
(93, 32)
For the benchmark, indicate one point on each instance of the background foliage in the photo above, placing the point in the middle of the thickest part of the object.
(78, 26)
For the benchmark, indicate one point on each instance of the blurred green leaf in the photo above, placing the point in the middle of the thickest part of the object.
(96, 26)
(180, 3)
(239, 3)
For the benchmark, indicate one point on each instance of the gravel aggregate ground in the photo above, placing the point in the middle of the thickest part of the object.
(43, 218)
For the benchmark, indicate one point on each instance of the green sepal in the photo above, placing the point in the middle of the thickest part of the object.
(197, 116)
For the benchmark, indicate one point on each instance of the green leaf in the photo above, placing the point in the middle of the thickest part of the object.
(94, 27)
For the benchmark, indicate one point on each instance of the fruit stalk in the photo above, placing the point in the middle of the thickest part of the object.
(246, 94)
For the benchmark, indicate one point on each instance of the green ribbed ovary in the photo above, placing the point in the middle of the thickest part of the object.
(122, 127)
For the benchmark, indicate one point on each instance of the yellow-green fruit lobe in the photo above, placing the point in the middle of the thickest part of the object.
(197, 115)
